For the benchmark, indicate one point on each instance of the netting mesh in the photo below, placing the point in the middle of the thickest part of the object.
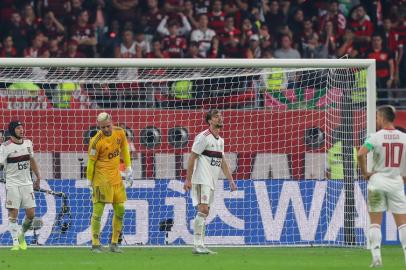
(290, 139)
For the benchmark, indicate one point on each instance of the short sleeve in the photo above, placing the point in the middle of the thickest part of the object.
(93, 151)
(199, 144)
(2, 154)
(370, 142)
(31, 149)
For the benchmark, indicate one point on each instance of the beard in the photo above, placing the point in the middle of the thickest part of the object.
(219, 125)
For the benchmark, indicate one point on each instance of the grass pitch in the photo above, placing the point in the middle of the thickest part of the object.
(182, 258)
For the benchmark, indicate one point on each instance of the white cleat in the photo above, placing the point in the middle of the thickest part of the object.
(376, 263)
(199, 250)
(210, 252)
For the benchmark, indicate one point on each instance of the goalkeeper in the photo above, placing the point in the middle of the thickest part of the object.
(104, 178)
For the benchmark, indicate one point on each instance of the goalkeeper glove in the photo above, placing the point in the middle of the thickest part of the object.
(128, 177)
(90, 186)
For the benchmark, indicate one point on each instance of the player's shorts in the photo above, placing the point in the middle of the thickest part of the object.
(20, 197)
(109, 193)
(386, 194)
(202, 194)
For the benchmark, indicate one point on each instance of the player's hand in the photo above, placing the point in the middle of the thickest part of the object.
(90, 186)
(233, 186)
(128, 173)
(188, 185)
(128, 182)
(128, 177)
(36, 184)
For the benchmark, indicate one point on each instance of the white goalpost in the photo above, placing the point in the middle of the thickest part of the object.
(291, 132)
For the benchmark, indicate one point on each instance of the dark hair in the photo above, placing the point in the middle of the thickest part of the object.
(210, 114)
(388, 112)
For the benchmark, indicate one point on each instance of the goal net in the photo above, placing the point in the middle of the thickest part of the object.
(291, 133)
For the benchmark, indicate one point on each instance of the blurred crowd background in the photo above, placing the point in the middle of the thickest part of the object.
(373, 29)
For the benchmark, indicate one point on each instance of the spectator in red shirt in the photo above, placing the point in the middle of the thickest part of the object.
(237, 9)
(84, 34)
(347, 45)
(216, 17)
(156, 51)
(229, 31)
(385, 68)
(233, 48)
(193, 50)
(54, 49)
(51, 27)
(173, 44)
(8, 49)
(72, 50)
(362, 27)
(36, 45)
(390, 37)
(336, 17)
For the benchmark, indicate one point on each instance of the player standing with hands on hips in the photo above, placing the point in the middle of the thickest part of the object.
(17, 156)
(104, 177)
(208, 156)
(385, 183)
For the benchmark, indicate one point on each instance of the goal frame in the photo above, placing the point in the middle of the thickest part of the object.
(368, 64)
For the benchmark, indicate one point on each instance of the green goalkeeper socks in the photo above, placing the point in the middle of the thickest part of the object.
(119, 211)
(95, 222)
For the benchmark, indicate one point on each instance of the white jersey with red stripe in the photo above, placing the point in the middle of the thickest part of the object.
(16, 160)
(208, 165)
(389, 149)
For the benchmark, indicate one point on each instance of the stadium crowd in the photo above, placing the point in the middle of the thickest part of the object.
(210, 29)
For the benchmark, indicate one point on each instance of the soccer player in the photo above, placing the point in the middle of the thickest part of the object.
(17, 156)
(104, 178)
(385, 183)
(208, 155)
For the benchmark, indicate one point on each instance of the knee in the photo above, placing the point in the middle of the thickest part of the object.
(203, 208)
(97, 211)
(119, 210)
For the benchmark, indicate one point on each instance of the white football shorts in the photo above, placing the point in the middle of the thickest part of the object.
(202, 194)
(20, 197)
(386, 194)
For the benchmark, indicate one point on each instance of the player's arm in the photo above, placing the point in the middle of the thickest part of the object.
(34, 167)
(227, 173)
(190, 167)
(92, 157)
(125, 152)
(362, 160)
